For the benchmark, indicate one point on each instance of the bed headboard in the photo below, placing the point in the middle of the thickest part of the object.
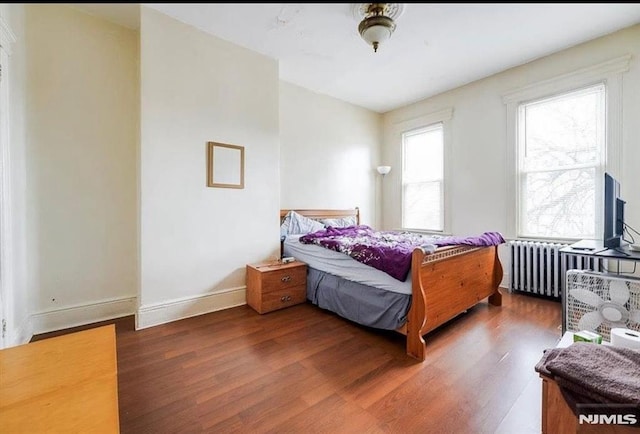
(324, 213)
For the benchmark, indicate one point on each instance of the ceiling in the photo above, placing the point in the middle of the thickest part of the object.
(436, 47)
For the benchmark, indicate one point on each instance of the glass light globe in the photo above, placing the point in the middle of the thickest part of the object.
(376, 29)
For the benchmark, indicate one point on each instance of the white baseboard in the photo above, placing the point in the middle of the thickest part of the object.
(23, 334)
(74, 316)
(173, 310)
(505, 281)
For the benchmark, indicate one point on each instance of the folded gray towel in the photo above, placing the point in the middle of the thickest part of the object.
(589, 373)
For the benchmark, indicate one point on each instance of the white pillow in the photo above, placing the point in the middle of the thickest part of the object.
(341, 222)
(295, 223)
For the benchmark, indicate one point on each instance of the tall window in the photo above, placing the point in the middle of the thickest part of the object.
(561, 150)
(423, 178)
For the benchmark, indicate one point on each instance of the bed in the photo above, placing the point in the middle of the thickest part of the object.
(441, 285)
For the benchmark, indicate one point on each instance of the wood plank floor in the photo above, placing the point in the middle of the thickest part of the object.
(302, 370)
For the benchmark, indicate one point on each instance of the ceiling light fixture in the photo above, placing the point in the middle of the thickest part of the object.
(378, 25)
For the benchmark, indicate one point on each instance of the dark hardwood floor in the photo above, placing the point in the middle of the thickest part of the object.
(302, 369)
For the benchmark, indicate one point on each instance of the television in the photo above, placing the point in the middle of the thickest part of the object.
(613, 213)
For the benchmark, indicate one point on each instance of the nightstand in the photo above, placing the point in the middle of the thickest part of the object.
(272, 286)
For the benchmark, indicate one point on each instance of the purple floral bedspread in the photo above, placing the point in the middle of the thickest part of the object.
(389, 251)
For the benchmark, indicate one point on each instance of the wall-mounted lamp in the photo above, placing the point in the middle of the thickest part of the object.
(383, 170)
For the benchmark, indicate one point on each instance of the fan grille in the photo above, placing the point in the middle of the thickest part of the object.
(599, 283)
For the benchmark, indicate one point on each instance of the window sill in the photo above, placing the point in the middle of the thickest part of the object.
(548, 240)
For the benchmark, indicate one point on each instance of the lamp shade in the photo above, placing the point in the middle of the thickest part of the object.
(376, 29)
(383, 170)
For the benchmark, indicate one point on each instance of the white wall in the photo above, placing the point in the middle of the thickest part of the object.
(96, 193)
(19, 302)
(195, 241)
(478, 190)
(479, 149)
(329, 152)
(82, 128)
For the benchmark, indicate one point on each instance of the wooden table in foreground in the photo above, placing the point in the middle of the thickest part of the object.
(66, 384)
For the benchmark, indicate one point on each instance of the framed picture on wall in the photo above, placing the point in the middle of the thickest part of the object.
(225, 165)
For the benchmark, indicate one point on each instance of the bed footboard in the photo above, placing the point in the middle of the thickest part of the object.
(446, 284)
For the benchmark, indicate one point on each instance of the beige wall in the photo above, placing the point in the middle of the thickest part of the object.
(479, 186)
(195, 240)
(107, 208)
(18, 301)
(479, 180)
(80, 159)
(329, 152)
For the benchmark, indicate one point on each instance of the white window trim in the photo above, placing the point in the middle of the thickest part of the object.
(444, 117)
(609, 73)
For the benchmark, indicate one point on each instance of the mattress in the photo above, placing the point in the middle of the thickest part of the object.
(342, 265)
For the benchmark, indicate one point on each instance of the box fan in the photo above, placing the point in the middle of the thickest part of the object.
(599, 302)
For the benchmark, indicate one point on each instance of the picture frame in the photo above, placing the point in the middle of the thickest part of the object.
(225, 165)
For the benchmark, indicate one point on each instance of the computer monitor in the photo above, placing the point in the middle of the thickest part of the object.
(613, 213)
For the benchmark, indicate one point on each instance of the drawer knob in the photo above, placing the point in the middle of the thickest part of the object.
(285, 279)
(285, 298)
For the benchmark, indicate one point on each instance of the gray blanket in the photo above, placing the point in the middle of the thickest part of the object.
(588, 374)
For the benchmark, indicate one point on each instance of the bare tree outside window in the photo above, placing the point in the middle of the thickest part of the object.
(561, 157)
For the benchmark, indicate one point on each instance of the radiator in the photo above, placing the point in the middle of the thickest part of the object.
(539, 268)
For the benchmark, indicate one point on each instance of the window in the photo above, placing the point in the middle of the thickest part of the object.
(546, 173)
(561, 159)
(423, 178)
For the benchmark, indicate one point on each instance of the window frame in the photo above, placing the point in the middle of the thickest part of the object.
(444, 117)
(520, 172)
(608, 73)
(414, 132)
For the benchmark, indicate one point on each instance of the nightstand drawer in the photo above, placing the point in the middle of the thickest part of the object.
(283, 298)
(281, 279)
(275, 286)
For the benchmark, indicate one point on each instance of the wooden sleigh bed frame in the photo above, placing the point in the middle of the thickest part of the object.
(444, 284)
